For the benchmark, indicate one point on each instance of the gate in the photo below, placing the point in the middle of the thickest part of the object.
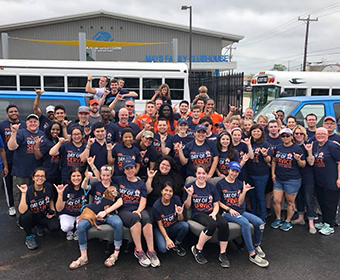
(224, 89)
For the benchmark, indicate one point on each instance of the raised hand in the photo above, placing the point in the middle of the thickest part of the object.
(60, 188)
(15, 127)
(178, 209)
(37, 139)
(247, 187)
(245, 158)
(151, 173)
(62, 140)
(120, 96)
(174, 108)
(178, 145)
(65, 123)
(163, 137)
(23, 188)
(91, 141)
(189, 190)
(88, 175)
(232, 108)
(106, 92)
(89, 77)
(38, 91)
(110, 146)
(246, 141)
(264, 152)
(90, 160)
(87, 130)
(297, 156)
(309, 147)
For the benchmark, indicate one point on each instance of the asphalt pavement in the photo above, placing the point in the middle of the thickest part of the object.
(292, 255)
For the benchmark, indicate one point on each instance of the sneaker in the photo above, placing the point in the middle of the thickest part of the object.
(286, 226)
(11, 211)
(276, 224)
(179, 250)
(18, 224)
(319, 225)
(153, 258)
(40, 231)
(69, 235)
(259, 261)
(298, 222)
(260, 252)
(142, 258)
(327, 229)
(198, 254)
(223, 258)
(75, 235)
(30, 242)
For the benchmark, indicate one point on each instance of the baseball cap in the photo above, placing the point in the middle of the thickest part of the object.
(83, 109)
(94, 101)
(129, 162)
(234, 165)
(200, 127)
(220, 124)
(329, 118)
(148, 134)
(49, 108)
(32, 116)
(182, 120)
(286, 130)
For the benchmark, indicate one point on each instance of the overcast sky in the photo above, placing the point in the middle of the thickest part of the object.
(272, 31)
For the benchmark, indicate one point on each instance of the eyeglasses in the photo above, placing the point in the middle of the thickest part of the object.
(298, 133)
(285, 135)
(39, 176)
(130, 106)
(323, 134)
(106, 168)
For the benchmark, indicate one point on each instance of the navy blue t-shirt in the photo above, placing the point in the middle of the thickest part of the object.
(130, 192)
(334, 137)
(223, 161)
(120, 152)
(118, 128)
(170, 143)
(230, 193)
(242, 149)
(24, 161)
(213, 137)
(73, 201)
(177, 116)
(257, 166)
(100, 206)
(191, 129)
(274, 142)
(70, 157)
(146, 156)
(97, 190)
(82, 128)
(325, 164)
(203, 199)
(100, 151)
(39, 201)
(5, 132)
(110, 132)
(310, 134)
(50, 163)
(157, 143)
(44, 122)
(286, 165)
(196, 155)
(166, 213)
(307, 172)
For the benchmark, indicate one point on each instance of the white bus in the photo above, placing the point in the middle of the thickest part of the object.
(268, 85)
(71, 76)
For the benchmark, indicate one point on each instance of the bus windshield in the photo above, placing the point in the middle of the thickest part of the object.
(261, 95)
(287, 106)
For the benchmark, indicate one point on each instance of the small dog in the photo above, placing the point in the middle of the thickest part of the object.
(110, 193)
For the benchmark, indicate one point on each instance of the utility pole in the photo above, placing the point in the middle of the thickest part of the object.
(307, 20)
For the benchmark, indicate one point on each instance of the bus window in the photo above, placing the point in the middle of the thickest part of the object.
(176, 88)
(8, 82)
(132, 84)
(54, 83)
(317, 109)
(301, 92)
(149, 87)
(29, 82)
(289, 92)
(76, 84)
(336, 91)
(320, 91)
(336, 107)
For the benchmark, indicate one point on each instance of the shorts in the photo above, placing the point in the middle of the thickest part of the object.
(291, 186)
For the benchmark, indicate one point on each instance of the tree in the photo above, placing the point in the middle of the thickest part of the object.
(279, 67)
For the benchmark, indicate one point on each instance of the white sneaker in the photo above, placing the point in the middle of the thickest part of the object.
(69, 235)
(75, 235)
(11, 211)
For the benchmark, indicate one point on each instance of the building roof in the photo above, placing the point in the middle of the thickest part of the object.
(226, 37)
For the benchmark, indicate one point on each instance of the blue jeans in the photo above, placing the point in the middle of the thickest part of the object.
(114, 221)
(304, 198)
(257, 195)
(177, 231)
(244, 221)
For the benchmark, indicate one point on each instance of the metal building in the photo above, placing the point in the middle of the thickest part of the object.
(106, 26)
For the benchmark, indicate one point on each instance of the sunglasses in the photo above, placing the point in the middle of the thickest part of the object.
(206, 125)
(285, 135)
(106, 168)
(130, 106)
(298, 133)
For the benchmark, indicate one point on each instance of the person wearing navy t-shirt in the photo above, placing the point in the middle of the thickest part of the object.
(288, 158)
(208, 123)
(50, 163)
(183, 111)
(124, 150)
(5, 132)
(195, 113)
(83, 123)
(258, 170)
(180, 137)
(133, 213)
(70, 152)
(203, 199)
(161, 137)
(311, 121)
(23, 144)
(327, 179)
(148, 154)
(227, 153)
(170, 228)
(199, 151)
(123, 116)
(36, 207)
(233, 193)
(97, 148)
(105, 113)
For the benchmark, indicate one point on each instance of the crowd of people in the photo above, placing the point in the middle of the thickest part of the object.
(142, 170)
